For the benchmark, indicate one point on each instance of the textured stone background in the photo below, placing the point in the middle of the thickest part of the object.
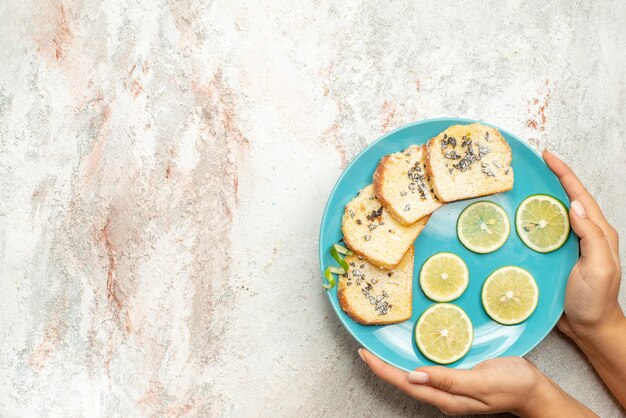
(164, 167)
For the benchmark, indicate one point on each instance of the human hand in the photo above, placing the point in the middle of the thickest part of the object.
(591, 303)
(508, 384)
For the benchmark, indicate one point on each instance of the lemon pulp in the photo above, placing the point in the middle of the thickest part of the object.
(444, 277)
(483, 227)
(542, 223)
(510, 295)
(444, 333)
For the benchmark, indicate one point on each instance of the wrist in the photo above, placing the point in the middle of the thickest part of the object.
(591, 336)
(547, 399)
(540, 400)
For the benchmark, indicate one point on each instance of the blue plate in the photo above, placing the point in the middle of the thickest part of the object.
(395, 343)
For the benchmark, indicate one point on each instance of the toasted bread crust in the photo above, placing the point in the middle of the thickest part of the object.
(351, 308)
(364, 233)
(429, 168)
(356, 317)
(380, 263)
(379, 178)
(355, 249)
(443, 196)
(387, 181)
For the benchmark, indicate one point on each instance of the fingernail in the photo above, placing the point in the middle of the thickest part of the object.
(360, 351)
(418, 377)
(578, 208)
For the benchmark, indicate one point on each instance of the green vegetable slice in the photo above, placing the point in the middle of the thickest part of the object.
(335, 251)
(339, 259)
(342, 250)
(331, 279)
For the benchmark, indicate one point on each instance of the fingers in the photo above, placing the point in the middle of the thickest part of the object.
(386, 372)
(593, 243)
(576, 191)
(460, 382)
(449, 403)
(572, 185)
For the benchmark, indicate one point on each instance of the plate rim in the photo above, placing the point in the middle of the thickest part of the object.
(453, 121)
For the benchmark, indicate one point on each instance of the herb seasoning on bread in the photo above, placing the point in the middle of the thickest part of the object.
(466, 161)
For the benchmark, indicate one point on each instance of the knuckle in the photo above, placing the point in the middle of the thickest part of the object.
(521, 361)
(379, 368)
(606, 270)
(531, 373)
(596, 232)
(446, 383)
(375, 366)
(527, 364)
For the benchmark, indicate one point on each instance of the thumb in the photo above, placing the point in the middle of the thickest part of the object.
(593, 243)
(459, 382)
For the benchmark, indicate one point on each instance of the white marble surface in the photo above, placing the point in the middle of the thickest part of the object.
(164, 166)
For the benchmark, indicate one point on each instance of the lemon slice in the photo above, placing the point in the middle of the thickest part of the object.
(510, 295)
(444, 277)
(483, 227)
(444, 333)
(542, 223)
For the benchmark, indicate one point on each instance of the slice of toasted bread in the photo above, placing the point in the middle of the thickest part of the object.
(466, 161)
(370, 231)
(371, 296)
(402, 185)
